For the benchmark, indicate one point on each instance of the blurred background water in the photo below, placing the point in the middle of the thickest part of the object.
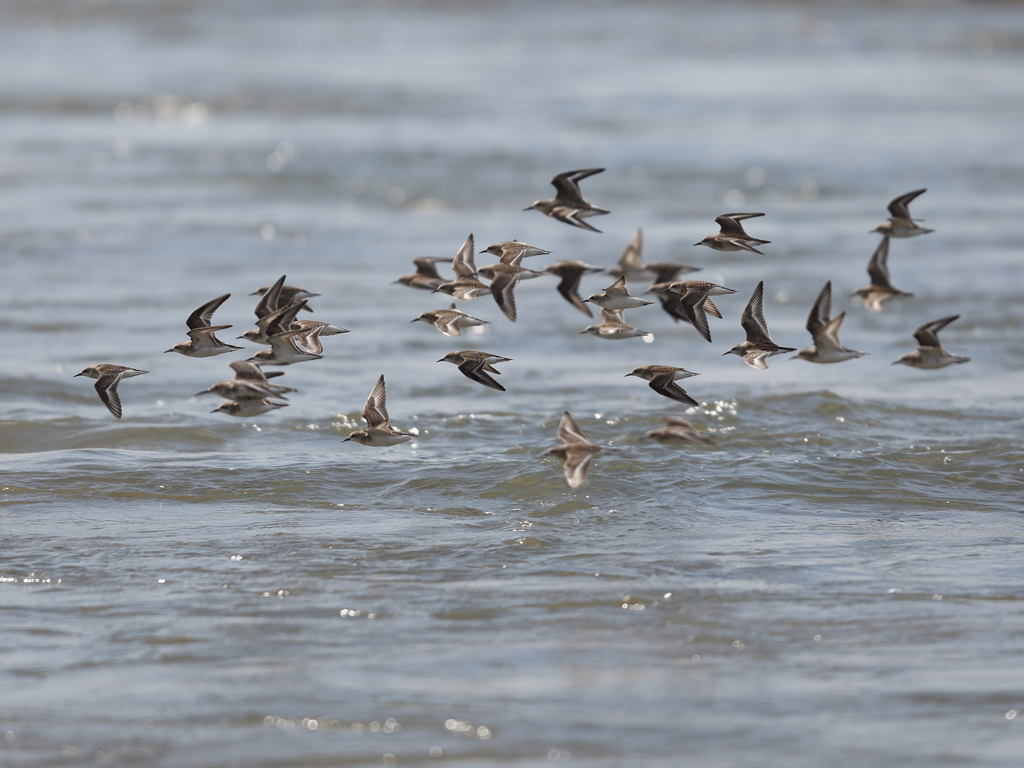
(837, 579)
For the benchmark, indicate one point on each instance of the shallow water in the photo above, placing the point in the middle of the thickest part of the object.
(836, 579)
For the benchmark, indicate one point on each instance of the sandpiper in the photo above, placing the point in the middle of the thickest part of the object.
(900, 224)
(692, 304)
(930, 354)
(250, 383)
(617, 296)
(662, 379)
(632, 266)
(449, 321)
(268, 310)
(250, 407)
(825, 331)
(568, 204)
(288, 346)
(379, 431)
(289, 295)
(731, 236)
(881, 290)
(426, 276)
(677, 431)
(759, 346)
(571, 272)
(506, 277)
(466, 286)
(576, 451)
(614, 327)
(476, 365)
(508, 250)
(107, 377)
(203, 341)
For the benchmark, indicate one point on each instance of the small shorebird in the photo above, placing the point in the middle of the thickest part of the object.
(759, 346)
(570, 273)
(466, 286)
(426, 276)
(881, 290)
(568, 204)
(449, 321)
(288, 346)
(930, 354)
(250, 383)
(575, 451)
(107, 377)
(248, 407)
(506, 277)
(476, 365)
(508, 250)
(289, 295)
(203, 341)
(617, 296)
(662, 379)
(900, 224)
(731, 236)
(312, 331)
(379, 431)
(631, 264)
(693, 303)
(825, 331)
(677, 431)
(614, 327)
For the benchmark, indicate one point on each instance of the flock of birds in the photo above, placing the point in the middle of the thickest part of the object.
(252, 392)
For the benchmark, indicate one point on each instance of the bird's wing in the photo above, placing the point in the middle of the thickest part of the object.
(201, 317)
(898, 207)
(375, 411)
(821, 312)
(752, 319)
(878, 265)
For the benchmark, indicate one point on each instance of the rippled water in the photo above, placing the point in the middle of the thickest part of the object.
(835, 580)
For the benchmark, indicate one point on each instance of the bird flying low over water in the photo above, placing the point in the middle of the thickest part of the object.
(677, 431)
(568, 204)
(631, 264)
(759, 346)
(449, 321)
(466, 286)
(509, 249)
(378, 432)
(576, 452)
(731, 236)
(930, 354)
(825, 331)
(426, 276)
(203, 342)
(617, 296)
(571, 272)
(614, 327)
(900, 224)
(476, 365)
(107, 377)
(881, 289)
(662, 379)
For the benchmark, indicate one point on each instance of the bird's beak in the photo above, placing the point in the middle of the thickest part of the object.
(441, 360)
(628, 375)
(346, 439)
(77, 375)
(168, 350)
(582, 332)
(215, 410)
(726, 353)
(696, 243)
(204, 392)
(530, 208)
(414, 320)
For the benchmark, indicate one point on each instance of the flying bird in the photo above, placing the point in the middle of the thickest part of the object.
(900, 224)
(107, 377)
(825, 331)
(759, 346)
(731, 235)
(568, 204)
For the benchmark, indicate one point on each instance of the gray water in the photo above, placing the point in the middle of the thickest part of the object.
(836, 581)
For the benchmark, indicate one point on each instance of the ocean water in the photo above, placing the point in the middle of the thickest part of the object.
(836, 580)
